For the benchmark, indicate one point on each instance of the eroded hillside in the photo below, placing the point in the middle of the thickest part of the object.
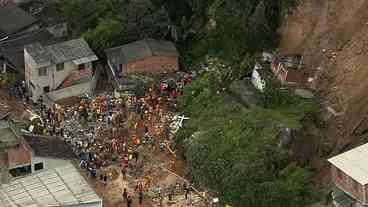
(332, 36)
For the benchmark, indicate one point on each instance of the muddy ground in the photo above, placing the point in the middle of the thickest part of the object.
(331, 34)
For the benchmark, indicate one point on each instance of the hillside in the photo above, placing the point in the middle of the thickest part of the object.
(331, 35)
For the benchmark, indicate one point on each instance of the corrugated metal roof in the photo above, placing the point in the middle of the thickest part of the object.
(354, 163)
(56, 187)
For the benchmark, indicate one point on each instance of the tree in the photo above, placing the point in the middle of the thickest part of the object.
(108, 33)
(109, 23)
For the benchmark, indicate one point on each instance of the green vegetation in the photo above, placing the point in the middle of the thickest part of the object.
(109, 23)
(232, 149)
(235, 150)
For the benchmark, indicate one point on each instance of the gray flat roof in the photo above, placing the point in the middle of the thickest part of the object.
(56, 187)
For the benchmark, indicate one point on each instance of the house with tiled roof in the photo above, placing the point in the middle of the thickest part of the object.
(60, 70)
(147, 56)
(349, 174)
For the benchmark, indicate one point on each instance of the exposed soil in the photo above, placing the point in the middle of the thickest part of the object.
(331, 34)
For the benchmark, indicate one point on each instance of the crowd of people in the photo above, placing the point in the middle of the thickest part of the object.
(105, 130)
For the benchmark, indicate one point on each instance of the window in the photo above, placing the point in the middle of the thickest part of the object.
(38, 166)
(21, 171)
(46, 89)
(81, 66)
(42, 71)
(59, 66)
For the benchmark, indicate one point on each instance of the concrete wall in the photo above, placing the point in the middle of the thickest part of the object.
(49, 163)
(348, 185)
(74, 90)
(154, 64)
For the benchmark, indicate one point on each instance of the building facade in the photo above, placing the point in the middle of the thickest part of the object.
(349, 173)
(144, 56)
(147, 56)
(25, 154)
(59, 71)
(289, 69)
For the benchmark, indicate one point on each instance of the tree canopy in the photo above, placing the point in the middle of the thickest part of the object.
(235, 150)
(109, 23)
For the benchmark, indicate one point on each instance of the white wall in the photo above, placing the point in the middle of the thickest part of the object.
(258, 82)
(49, 163)
(74, 90)
(53, 79)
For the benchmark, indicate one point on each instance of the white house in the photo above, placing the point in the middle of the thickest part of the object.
(59, 71)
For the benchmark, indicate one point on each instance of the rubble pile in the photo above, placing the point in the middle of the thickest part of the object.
(105, 131)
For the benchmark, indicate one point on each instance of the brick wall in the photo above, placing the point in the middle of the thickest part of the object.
(347, 184)
(19, 156)
(295, 76)
(155, 64)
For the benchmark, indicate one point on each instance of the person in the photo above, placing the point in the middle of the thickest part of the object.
(140, 197)
(135, 155)
(187, 190)
(129, 201)
(123, 172)
(170, 195)
(172, 164)
(105, 179)
(159, 191)
(125, 194)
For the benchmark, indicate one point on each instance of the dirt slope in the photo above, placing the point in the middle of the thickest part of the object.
(332, 36)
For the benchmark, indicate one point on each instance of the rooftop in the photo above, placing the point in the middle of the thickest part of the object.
(56, 187)
(8, 134)
(45, 146)
(72, 50)
(13, 49)
(141, 49)
(354, 163)
(13, 19)
(292, 61)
